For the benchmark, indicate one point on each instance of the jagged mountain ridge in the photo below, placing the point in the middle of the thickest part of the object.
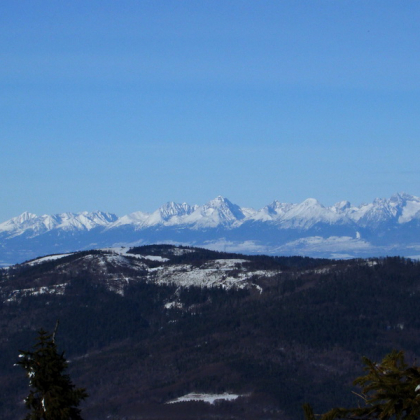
(383, 227)
(29, 223)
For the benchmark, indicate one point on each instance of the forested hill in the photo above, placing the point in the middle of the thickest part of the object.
(144, 326)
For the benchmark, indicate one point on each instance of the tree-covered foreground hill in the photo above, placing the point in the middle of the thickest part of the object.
(145, 326)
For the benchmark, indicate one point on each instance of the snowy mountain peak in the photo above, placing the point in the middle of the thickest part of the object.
(401, 199)
(225, 210)
(341, 206)
(218, 202)
(18, 222)
(311, 202)
(91, 219)
(169, 214)
(24, 217)
(172, 209)
(275, 210)
(403, 196)
(309, 213)
(136, 219)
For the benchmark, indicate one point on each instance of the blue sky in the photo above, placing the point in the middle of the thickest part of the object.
(123, 106)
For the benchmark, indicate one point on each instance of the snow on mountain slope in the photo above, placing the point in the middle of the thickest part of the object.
(136, 219)
(341, 206)
(36, 225)
(19, 223)
(208, 398)
(410, 212)
(47, 258)
(217, 212)
(273, 211)
(409, 207)
(170, 214)
(116, 268)
(309, 213)
(400, 208)
(374, 213)
(170, 210)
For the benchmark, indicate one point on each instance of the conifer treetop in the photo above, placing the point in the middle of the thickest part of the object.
(52, 394)
(390, 390)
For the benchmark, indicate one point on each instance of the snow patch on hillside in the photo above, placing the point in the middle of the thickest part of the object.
(208, 398)
(48, 258)
(126, 252)
(218, 273)
(17, 295)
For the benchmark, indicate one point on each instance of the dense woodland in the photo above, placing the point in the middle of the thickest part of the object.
(300, 340)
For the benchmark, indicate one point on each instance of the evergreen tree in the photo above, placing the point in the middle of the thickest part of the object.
(53, 395)
(390, 390)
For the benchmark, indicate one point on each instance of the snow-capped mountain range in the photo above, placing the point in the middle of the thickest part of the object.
(383, 227)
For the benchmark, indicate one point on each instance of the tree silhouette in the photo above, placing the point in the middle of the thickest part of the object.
(390, 390)
(52, 395)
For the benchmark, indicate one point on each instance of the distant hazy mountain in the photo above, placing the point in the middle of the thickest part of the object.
(383, 227)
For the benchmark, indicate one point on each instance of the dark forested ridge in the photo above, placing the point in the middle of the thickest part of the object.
(291, 332)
